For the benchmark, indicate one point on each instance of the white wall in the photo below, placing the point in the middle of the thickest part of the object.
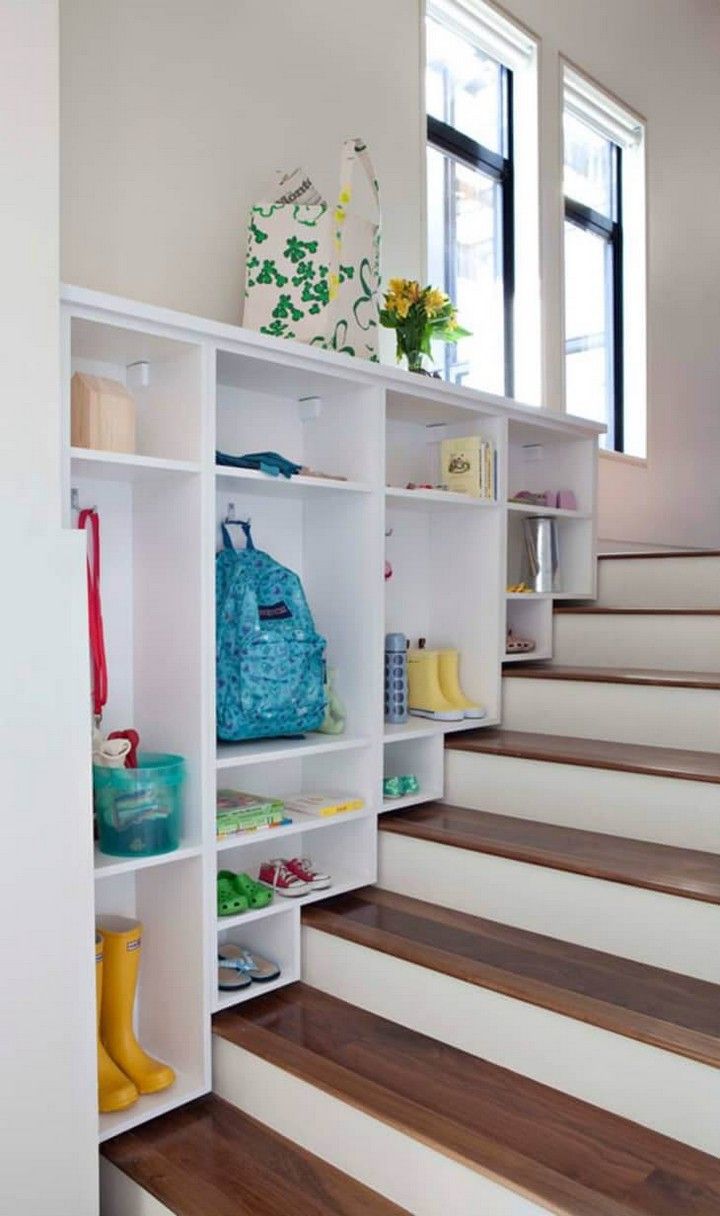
(174, 113)
(48, 1125)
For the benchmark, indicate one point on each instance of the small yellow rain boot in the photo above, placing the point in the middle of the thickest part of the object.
(122, 939)
(425, 696)
(448, 665)
(115, 1090)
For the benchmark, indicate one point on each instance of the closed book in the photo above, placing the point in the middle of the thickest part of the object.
(323, 805)
(461, 465)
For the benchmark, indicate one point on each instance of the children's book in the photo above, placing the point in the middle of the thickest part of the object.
(323, 804)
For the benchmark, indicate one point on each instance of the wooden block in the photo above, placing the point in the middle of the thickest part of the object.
(102, 414)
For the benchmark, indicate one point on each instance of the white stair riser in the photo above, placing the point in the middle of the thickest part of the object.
(629, 713)
(120, 1196)
(395, 1164)
(671, 643)
(668, 582)
(685, 814)
(621, 1075)
(648, 926)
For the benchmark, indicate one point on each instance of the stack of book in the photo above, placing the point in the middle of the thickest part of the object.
(469, 466)
(240, 812)
(323, 805)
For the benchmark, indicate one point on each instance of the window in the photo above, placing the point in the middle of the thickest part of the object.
(470, 203)
(599, 141)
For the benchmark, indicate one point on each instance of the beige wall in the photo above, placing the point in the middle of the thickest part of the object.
(174, 112)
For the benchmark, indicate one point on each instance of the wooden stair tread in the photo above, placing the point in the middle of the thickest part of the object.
(209, 1159)
(674, 1012)
(558, 1150)
(647, 554)
(591, 753)
(603, 610)
(645, 676)
(687, 873)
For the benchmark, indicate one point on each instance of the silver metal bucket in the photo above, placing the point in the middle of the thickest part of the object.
(541, 546)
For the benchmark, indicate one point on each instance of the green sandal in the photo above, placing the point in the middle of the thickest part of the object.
(231, 900)
(257, 895)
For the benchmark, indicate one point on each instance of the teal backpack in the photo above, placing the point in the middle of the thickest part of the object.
(270, 664)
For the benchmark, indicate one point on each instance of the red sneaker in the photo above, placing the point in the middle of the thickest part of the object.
(303, 868)
(277, 875)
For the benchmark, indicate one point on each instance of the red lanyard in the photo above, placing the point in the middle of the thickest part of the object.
(98, 664)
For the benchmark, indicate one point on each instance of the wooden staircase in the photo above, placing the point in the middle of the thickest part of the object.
(523, 1016)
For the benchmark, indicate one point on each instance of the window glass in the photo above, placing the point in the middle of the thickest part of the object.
(588, 167)
(588, 326)
(464, 87)
(465, 243)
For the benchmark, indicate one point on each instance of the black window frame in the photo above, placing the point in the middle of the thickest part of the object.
(457, 146)
(610, 228)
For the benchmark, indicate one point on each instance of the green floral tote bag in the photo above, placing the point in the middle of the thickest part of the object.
(313, 271)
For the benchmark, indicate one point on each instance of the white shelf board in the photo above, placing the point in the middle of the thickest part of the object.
(555, 512)
(425, 728)
(235, 755)
(252, 481)
(397, 804)
(449, 728)
(300, 824)
(397, 496)
(124, 466)
(226, 1000)
(109, 867)
(149, 1106)
(529, 657)
(530, 595)
(281, 905)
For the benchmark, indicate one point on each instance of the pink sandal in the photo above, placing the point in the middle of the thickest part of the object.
(516, 645)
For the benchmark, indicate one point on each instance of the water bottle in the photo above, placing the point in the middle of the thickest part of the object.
(396, 693)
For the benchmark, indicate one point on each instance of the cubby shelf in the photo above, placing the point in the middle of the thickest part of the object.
(532, 656)
(308, 823)
(110, 867)
(398, 496)
(213, 387)
(555, 512)
(150, 1106)
(530, 595)
(252, 481)
(124, 466)
(235, 755)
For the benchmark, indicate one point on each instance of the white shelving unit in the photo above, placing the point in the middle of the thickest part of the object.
(373, 429)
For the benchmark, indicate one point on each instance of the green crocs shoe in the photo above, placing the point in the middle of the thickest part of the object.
(257, 895)
(231, 900)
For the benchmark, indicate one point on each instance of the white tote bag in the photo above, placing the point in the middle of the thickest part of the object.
(313, 272)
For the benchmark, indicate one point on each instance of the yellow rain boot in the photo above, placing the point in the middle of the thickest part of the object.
(425, 696)
(448, 664)
(115, 1090)
(122, 939)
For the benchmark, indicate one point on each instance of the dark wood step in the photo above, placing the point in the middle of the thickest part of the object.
(209, 1159)
(687, 873)
(674, 1012)
(600, 610)
(644, 676)
(576, 1159)
(591, 753)
(648, 554)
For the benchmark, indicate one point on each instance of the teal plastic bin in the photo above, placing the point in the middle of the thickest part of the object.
(139, 811)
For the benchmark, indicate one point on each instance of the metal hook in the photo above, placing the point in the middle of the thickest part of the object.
(389, 531)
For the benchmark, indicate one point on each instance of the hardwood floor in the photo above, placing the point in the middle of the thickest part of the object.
(688, 873)
(646, 677)
(574, 1158)
(679, 1014)
(208, 1159)
(591, 753)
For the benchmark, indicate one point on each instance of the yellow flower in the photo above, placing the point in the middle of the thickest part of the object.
(435, 301)
(397, 287)
(402, 308)
(345, 195)
(339, 215)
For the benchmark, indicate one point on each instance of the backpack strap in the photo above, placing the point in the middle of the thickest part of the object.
(240, 523)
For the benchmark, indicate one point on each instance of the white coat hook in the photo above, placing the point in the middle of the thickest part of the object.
(74, 499)
(230, 517)
(309, 408)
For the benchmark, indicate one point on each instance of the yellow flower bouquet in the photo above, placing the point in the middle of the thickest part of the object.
(418, 315)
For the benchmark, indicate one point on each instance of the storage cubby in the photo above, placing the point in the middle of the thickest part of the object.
(199, 388)
(171, 1007)
(531, 617)
(163, 375)
(576, 563)
(276, 938)
(421, 757)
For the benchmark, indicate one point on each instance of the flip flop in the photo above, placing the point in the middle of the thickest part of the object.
(239, 960)
(231, 976)
(255, 893)
(230, 900)
(516, 645)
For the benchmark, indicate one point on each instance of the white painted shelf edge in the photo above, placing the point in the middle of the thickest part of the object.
(235, 755)
(399, 804)
(300, 824)
(555, 512)
(126, 466)
(257, 482)
(109, 867)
